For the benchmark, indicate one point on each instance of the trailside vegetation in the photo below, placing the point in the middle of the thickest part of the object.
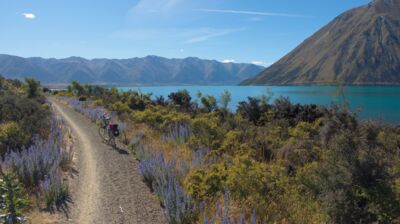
(33, 151)
(266, 162)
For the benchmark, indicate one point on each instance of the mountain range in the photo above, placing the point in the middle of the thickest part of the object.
(150, 70)
(359, 47)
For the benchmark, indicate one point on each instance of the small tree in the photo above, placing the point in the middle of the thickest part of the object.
(226, 98)
(209, 103)
(32, 87)
(77, 88)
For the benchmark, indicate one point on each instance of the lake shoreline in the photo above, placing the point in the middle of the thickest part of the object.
(377, 102)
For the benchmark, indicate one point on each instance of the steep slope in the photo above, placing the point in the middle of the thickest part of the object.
(360, 47)
(151, 70)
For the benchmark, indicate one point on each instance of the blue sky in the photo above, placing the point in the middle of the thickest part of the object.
(258, 31)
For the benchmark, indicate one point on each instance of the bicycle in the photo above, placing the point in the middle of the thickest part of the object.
(108, 131)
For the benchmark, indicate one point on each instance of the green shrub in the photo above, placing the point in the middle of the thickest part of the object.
(160, 118)
(206, 184)
(30, 115)
(138, 101)
(98, 102)
(304, 131)
(13, 199)
(11, 137)
(207, 132)
(247, 180)
(120, 108)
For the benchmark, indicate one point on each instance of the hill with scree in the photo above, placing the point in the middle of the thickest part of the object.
(359, 47)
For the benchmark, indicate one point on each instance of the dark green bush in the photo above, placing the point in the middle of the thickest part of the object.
(182, 99)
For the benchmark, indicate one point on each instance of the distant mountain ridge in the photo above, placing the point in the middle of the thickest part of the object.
(150, 70)
(359, 47)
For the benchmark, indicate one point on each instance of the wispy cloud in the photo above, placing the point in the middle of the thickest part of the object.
(185, 36)
(29, 15)
(152, 6)
(210, 33)
(252, 13)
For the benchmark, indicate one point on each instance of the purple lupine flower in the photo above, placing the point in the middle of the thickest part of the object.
(243, 218)
(177, 134)
(163, 177)
(33, 164)
(55, 190)
(93, 113)
(253, 218)
(226, 212)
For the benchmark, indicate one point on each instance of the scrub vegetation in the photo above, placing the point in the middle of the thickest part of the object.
(266, 162)
(33, 151)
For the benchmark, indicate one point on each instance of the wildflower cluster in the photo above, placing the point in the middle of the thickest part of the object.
(164, 178)
(93, 113)
(223, 214)
(178, 134)
(39, 166)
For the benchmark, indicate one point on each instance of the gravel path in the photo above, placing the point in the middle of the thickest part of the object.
(107, 187)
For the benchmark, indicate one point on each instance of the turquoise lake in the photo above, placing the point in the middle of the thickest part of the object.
(371, 102)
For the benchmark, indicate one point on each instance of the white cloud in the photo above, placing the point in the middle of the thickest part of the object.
(258, 62)
(228, 61)
(261, 63)
(29, 15)
(252, 13)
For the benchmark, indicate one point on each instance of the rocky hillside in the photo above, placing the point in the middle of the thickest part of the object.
(151, 70)
(359, 47)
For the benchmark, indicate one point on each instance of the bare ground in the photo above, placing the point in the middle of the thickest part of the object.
(107, 186)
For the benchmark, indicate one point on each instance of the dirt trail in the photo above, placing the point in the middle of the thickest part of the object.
(108, 187)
